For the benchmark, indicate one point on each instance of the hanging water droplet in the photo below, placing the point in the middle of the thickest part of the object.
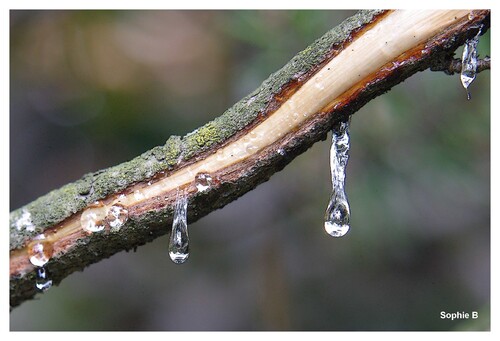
(337, 213)
(469, 62)
(41, 273)
(117, 216)
(203, 181)
(178, 248)
(43, 285)
(40, 252)
(42, 282)
(93, 218)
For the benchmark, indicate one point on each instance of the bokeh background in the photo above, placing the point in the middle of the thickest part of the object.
(91, 89)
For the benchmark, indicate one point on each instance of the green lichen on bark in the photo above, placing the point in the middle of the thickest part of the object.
(52, 208)
(59, 204)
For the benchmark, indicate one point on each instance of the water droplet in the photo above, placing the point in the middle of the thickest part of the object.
(236, 152)
(203, 181)
(40, 252)
(469, 62)
(93, 218)
(42, 282)
(248, 145)
(117, 216)
(220, 155)
(43, 285)
(281, 151)
(250, 148)
(337, 214)
(319, 86)
(41, 273)
(291, 104)
(178, 248)
(138, 195)
(337, 218)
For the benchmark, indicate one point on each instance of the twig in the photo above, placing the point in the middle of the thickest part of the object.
(452, 66)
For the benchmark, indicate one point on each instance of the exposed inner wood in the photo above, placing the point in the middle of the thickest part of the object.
(393, 35)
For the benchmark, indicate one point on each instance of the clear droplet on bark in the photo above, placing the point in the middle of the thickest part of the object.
(203, 181)
(337, 214)
(178, 248)
(40, 252)
(93, 219)
(117, 217)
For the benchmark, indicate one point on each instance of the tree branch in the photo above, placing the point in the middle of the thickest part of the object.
(295, 107)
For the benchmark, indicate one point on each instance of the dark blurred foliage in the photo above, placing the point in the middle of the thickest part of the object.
(91, 89)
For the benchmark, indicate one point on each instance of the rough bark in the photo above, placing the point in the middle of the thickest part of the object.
(56, 213)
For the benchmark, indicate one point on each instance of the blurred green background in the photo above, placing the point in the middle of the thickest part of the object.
(91, 89)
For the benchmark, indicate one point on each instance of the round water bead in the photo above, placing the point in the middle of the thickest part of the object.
(40, 252)
(93, 218)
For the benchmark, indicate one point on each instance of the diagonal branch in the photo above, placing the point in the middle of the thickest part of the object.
(295, 107)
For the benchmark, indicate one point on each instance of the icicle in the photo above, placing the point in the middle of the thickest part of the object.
(469, 62)
(179, 240)
(338, 214)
